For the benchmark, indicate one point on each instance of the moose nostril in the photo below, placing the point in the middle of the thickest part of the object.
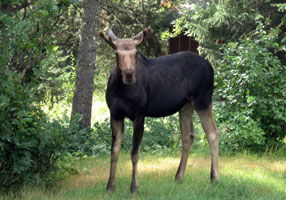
(129, 75)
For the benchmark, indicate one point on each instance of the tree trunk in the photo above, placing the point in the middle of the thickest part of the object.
(82, 100)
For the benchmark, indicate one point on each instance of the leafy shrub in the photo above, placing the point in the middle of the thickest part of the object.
(31, 69)
(252, 80)
(162, 133)
(80, 140)
(159, 134)
(30, 144)
(239, 132)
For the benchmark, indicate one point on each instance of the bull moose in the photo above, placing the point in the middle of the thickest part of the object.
(140, 87)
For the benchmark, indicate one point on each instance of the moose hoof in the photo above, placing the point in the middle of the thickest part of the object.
(179, 178)
(214, 177)
(133, 188)
(110, 187)
(214, 180)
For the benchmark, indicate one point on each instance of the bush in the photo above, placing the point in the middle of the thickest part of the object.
(239, 132)
(30, 145)
(31, 72)
(252, 80)
(159, 134)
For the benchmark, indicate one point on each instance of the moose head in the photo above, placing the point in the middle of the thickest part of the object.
(126, 52)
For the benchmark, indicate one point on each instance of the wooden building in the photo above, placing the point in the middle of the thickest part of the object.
(181, 42)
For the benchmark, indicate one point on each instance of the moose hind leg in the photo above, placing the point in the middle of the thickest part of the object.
(212, 133)
(187, 134)
(138, 128)
(117, 127)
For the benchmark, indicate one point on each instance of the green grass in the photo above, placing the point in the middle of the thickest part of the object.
(241, 177)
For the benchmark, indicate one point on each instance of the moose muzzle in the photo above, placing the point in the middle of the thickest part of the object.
(128, 76)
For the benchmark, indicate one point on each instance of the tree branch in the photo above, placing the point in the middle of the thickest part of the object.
(25, 9)
(30, 62)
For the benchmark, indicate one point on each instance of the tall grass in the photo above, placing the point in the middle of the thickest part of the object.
(241, 177)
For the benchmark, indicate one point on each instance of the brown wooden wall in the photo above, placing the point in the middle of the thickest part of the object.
(182, 43)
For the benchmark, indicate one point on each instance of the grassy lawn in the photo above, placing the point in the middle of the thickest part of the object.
(241, 177)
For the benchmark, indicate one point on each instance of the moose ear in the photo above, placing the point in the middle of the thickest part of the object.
(110, 39)
(141, 36)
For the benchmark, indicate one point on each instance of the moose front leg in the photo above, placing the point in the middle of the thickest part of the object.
(138, 128)
(117, 127)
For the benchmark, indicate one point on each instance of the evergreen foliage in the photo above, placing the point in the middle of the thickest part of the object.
(218, 22)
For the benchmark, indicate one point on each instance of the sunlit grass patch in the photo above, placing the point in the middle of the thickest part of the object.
(270, 173)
